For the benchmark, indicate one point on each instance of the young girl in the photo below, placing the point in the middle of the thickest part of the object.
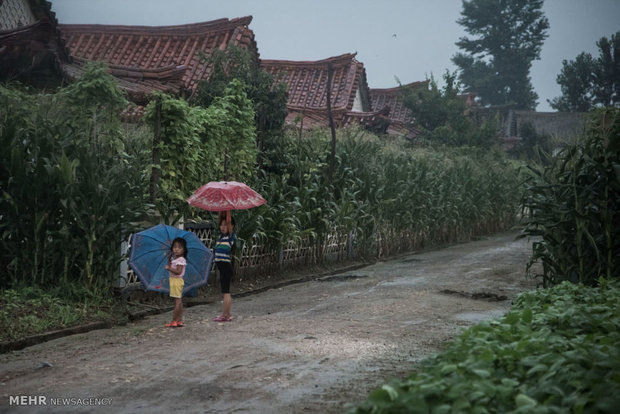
(176, 266)
(223, 249)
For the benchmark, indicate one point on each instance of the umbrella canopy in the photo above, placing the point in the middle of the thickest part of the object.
(225, 196)
(149, 254)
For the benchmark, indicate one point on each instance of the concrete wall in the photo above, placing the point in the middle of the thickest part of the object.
(565, 126)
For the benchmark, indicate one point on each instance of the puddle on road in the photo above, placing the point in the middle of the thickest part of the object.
(340, 277)
(490, 297)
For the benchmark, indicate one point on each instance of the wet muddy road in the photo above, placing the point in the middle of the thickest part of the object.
(305, 348)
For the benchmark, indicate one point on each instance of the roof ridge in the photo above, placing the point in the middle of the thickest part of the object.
(344, 58)
(213, 25)
(396, 88)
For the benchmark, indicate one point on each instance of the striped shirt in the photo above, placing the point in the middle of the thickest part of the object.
(224, 246)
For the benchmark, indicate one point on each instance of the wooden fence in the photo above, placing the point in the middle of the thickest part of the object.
(258, 258)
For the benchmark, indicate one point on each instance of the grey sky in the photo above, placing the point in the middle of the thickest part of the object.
(407, 39)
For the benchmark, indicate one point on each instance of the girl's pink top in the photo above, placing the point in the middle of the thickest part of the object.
(179, 261)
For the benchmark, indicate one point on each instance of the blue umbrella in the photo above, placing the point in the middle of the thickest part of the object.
(149, 254)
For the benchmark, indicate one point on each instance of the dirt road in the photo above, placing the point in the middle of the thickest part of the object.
(305, 348)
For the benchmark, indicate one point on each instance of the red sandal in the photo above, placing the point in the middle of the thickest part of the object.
(222, 318)
(173, 324)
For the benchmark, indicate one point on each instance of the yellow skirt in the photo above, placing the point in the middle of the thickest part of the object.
(176, 287)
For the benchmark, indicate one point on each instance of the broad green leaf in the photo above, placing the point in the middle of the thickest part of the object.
(523, 401)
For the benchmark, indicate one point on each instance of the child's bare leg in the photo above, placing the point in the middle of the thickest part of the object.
(177, 314)
(226, 304)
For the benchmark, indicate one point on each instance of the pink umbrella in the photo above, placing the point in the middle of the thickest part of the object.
(225, 196)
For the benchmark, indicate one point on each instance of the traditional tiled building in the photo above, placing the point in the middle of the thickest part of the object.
(171, 58)
(35, 49)
(307, 92)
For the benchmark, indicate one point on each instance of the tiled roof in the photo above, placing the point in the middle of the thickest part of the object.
(307, 82)
(138, 83)
(391, 98)
(145, 48)
(307, 94)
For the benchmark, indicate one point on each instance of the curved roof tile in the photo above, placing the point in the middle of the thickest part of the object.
(153, 47)
(307, 82)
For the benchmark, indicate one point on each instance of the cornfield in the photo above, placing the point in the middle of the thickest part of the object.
(573, 206)
(390, 198)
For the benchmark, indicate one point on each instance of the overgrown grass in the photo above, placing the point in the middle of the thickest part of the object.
(557, 351)
(28, 311)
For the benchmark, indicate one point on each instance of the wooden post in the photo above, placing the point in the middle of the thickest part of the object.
(332, 160)
(156, 169)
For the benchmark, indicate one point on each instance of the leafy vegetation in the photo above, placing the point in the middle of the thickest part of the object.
(199, 145)
(67, 194)
(442, 116)
(556, 351)
(573, 205)
(588, 82)
(268, 97)
(441, 194)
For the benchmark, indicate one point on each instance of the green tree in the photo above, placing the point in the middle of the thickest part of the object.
(442, 115)
(431, 106)
(507, 35)
(589, 82)
(435, 109)
(267, 96)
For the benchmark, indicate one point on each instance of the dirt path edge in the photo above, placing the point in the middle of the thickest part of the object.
(22, 343)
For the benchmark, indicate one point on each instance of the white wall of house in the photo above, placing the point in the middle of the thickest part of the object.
(357, 104)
